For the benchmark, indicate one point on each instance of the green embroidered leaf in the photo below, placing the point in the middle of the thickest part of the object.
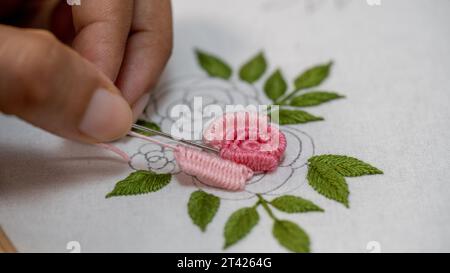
(214, 66)
(239, 225)
(140, 182)
(202, 208)
(253, 69)
(345, 165)
(294, 204)
(148, 124)
(291, 236)
(314, 98)
(275, 86)
(294, 117)
(313, 76)
(326, 181)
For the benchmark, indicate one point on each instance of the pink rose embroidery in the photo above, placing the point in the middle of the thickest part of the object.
(247, 138)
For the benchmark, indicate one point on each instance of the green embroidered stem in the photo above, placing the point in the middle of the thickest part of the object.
(263, 202)
(284, 100)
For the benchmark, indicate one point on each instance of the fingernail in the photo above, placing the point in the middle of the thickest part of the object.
(139, 106)
(107, 117)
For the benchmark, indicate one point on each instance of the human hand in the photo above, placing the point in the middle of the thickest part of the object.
(93, 90)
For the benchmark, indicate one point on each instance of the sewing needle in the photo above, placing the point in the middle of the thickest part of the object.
(188, 142)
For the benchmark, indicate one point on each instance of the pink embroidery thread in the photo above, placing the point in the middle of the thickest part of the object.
(248, 143)
(209, 168)
(247, 138)
(213, 170)
(115, 150)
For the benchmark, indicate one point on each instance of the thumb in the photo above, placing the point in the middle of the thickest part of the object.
(51, 86)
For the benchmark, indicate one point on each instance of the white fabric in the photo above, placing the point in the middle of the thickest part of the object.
(391, 61)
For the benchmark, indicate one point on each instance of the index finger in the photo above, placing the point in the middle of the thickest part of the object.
(102, 28)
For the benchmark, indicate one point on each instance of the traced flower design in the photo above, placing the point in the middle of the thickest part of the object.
(155, 158)
(183, 91)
